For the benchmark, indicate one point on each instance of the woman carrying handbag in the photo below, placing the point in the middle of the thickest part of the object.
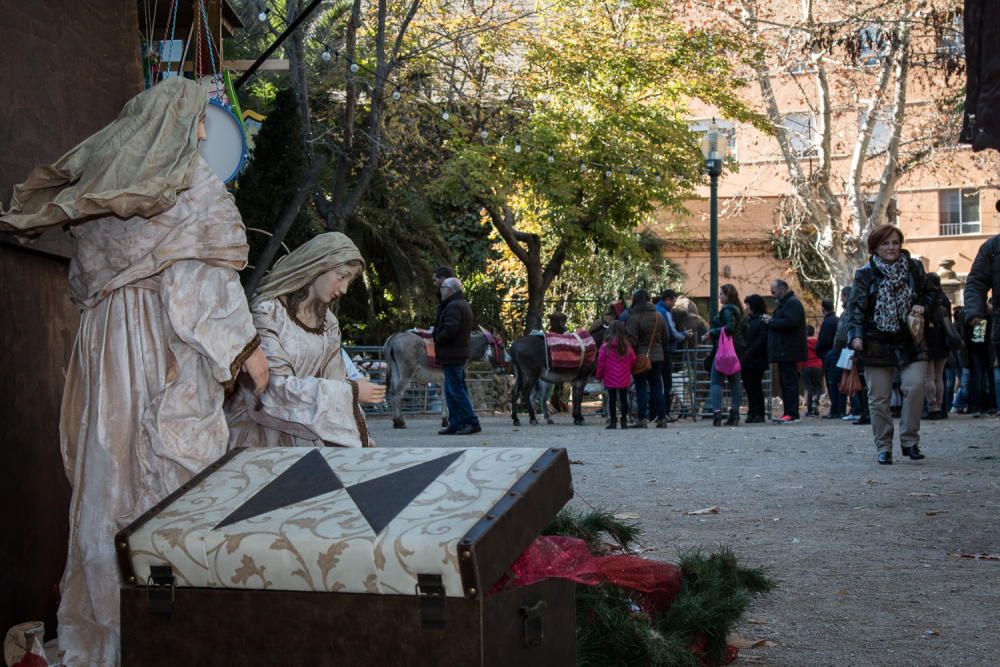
(727, 342)
(646, 331)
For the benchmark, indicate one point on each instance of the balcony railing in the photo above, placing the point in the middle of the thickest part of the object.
(959, 228)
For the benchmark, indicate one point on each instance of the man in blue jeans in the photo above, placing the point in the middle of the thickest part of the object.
(451, 346)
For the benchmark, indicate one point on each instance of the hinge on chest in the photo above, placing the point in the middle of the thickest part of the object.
(430, 600)
(160, 589)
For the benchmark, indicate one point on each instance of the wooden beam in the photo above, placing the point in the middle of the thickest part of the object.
(243, 65)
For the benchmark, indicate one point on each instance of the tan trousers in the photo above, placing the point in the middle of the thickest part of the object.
(879, 392)
(934, 384)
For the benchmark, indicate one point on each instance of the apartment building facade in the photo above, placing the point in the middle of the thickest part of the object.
(944, 201)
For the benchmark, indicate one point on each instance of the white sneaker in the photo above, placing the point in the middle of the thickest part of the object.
(851, 418)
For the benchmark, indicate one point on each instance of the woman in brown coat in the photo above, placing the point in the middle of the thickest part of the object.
(646, 332)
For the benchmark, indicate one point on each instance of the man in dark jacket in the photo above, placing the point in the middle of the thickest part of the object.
(824, 350)
(981, 123)
(451, 345)
(984, 276)
(786, 345)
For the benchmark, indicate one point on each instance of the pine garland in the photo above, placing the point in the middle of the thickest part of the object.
(612, 629)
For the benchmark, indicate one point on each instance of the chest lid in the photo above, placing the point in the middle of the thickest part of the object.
(351, 520)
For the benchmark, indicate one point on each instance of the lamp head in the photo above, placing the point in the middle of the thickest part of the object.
(714, 143)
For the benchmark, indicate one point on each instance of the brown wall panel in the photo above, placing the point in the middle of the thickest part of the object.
(66, 69)
(37, 329)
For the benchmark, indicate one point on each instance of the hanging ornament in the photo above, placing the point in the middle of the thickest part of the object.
(517, 147)
(396, 95)
(551, 158)
(445, 116)
(354, 68)
(262, 16)
(583, 166)
(326, 56)
(607, 174)
(484, 134)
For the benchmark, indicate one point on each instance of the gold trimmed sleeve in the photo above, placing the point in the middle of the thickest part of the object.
(359, 415)
(234, 368)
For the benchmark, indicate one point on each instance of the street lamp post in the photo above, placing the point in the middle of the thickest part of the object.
(714, 146)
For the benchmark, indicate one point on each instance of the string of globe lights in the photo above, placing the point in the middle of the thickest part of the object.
(329, 55)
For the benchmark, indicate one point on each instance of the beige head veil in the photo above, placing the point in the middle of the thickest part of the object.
(318, 255)
(133, 167)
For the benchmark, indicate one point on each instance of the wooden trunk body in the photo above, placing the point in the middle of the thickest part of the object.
(229, 627)
(235, 568)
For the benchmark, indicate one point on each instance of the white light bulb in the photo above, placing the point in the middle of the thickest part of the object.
(262, 17)
(445, 116)
(517, 148)
(657, 178)
(396, 95)
(583, 167)
(551, 159)
(484, 134)
(354, 67)
(325, 56)
(607, 174)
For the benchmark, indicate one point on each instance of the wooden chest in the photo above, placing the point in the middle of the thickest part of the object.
(290, 556)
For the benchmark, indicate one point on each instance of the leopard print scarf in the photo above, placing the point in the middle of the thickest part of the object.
(894, 299)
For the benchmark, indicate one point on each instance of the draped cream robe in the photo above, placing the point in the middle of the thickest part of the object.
(308, 401)
(164, 327)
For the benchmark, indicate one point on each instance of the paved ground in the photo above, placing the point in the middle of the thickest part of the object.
(865, 555)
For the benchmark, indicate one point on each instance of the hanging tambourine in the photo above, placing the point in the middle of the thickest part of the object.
(225, 150)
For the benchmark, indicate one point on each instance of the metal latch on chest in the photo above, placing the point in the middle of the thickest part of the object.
(430, 600)
(160, 589)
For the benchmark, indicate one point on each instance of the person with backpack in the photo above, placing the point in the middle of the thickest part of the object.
(941, 338)
(729, 320)
(614, 369)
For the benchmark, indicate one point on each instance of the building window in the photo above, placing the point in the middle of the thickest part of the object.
(801, 133)
(872, 45)
(951, 39)
(700, 127)
(959, 212)
(881, 132)
(891, 211)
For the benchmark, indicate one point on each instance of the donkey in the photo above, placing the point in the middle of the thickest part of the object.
(529, 359)
(406, 361)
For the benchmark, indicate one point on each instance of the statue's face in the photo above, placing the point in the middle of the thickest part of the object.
(330, 286)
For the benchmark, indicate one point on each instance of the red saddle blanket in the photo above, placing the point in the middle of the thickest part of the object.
(427, 336)
(572, 350)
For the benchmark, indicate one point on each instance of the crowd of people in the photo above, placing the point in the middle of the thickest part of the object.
(916, 356)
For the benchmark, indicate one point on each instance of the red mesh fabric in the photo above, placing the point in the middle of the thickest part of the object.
(570, 558)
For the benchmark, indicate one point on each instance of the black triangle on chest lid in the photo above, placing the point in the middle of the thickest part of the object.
(382, 498)
(309, 477)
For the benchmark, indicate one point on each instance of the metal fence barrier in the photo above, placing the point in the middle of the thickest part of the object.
(491, 392)
(424, 397)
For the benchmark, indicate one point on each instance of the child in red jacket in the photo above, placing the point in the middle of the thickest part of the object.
(614, 369)
(812, 374)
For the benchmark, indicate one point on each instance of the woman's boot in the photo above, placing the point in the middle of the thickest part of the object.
(624, 422)
(734, 418)
(717, 418)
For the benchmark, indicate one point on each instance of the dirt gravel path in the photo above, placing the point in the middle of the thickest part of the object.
(864, 555)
